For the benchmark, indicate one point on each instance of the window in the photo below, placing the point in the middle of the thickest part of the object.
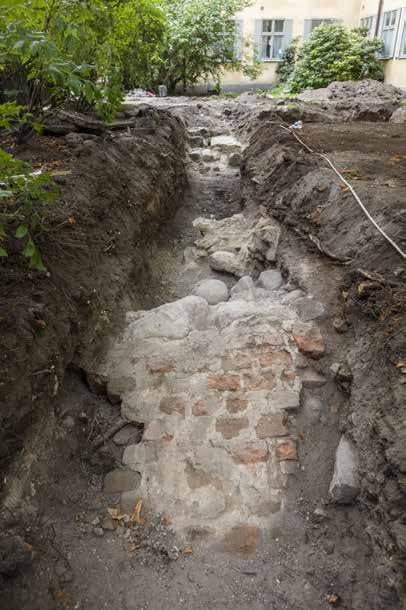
(312, 24)
(402, 49)
(388, 32)
(273, 36)
(369, 24)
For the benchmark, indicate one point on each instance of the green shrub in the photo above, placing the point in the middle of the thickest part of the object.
(24, 203)
(334, 53)
(287, 65)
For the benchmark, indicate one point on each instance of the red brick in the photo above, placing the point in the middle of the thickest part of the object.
(250, 452)
(158, 365)
(309, 342)
(286, 450)
(236, 404)
(224, 382)
(272, 426)
(270, 357)
(242, 539)
(230, 427)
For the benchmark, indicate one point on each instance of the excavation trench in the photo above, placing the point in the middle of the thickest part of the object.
(190, 461)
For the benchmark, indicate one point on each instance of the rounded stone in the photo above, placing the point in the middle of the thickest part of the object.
(214, 291)
(270, 280)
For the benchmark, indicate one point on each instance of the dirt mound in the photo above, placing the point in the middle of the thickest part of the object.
(116, 191)
(362, 101)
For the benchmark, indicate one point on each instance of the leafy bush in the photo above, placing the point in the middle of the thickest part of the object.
(334, 53)
(200, 40)
(81, 53)
(288, 61)
(24, 203)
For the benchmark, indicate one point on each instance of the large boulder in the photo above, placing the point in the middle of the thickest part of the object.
(344, 487)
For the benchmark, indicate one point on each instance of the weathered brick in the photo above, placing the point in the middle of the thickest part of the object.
(309, 341)
(203, 407)
(254, 381)
(160, 365)
(236, 404)
(172, 405)
(286, 450)
(242, 539)
(272, 426)
(224, 382)
(251, 452)
(230, 427)
(270, 358)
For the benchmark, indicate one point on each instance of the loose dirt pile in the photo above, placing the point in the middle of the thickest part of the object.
(368, 100)
(339, 102)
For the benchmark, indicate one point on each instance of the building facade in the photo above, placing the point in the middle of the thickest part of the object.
(271, 25)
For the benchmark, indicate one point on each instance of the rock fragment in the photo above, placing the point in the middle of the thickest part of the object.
(309, 341)
(270, 279)
(309, 309)
(118, 481)
(213, 291)
(344, 487)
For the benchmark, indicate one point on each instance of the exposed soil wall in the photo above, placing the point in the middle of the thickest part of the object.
(365, 286)
(118, 190)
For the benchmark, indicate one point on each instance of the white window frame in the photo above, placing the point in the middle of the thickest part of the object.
(323, 20)
(372, 27)
(390, 27)
(401, 51)
(272, 34)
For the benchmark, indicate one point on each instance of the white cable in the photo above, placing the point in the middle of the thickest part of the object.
(349, 186)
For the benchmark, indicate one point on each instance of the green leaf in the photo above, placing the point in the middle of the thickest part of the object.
(3, 252)
(29, 249)
(36, 261)
(21, 231)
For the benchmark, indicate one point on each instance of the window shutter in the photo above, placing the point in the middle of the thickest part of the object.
(287, 39)
(258, 38)
(396, 31)
(239, 39)
(307, 28)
